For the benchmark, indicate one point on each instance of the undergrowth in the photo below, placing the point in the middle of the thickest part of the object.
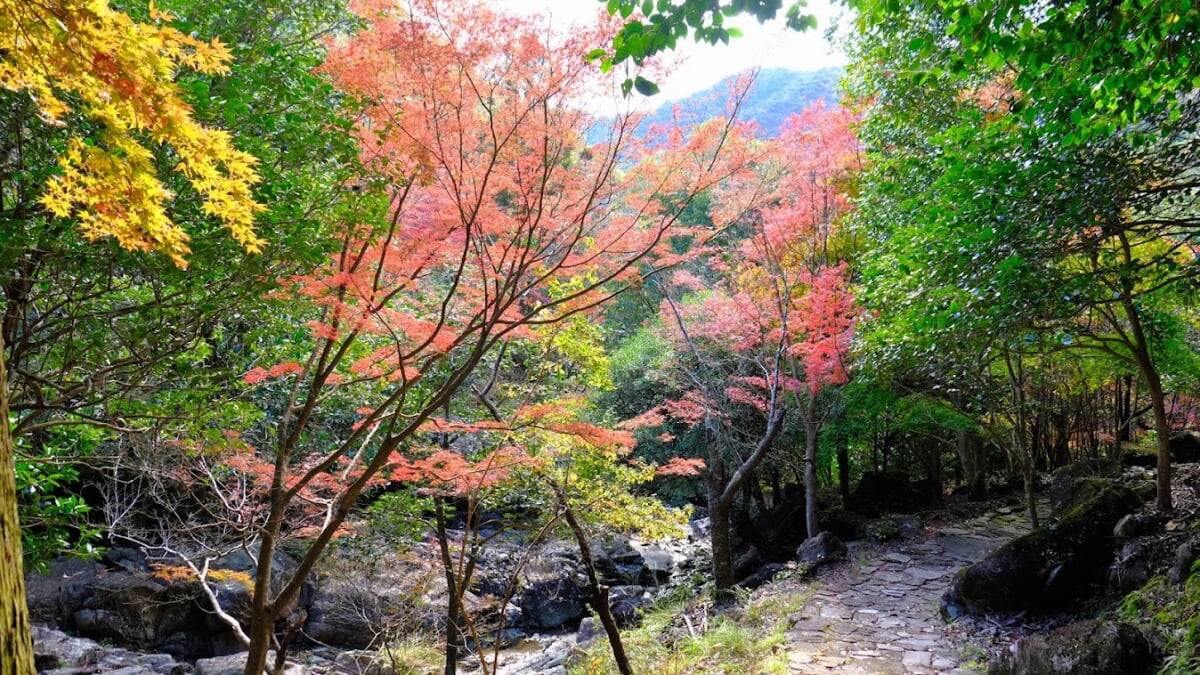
(1173, 617)
(685, 633)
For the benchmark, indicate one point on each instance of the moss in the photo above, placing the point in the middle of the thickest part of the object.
(1172, 618)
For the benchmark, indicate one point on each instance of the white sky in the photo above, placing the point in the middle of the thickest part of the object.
(766, 45)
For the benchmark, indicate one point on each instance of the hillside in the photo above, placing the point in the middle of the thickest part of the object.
(777, 93)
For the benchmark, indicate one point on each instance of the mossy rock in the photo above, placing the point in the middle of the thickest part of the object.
(846, 524)
(1047, 569)
(1083, 648)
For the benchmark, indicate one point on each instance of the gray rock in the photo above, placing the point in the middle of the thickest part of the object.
(1130, 570)
(1127, 527)
(57, 652)
(551, 592)
(820, 550)
(658, 566)
(1084, 648)
(1073, 484)
(1185, 557)
(626, 603)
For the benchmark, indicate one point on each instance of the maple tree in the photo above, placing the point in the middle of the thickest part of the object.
(764, 324)
(499, 219)
(75, 61)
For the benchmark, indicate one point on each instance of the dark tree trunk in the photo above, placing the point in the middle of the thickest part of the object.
(843, 459)
(599, 593)
(450, 667)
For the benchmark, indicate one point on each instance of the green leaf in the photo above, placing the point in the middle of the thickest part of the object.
(644, 87)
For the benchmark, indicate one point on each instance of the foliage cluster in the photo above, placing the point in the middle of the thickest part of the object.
(684, 633)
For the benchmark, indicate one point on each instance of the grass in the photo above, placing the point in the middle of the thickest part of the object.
(686, 633)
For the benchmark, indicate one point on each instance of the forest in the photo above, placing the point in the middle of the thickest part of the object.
(333, 285)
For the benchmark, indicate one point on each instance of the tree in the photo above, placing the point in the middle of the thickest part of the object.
(119, 75)
(963, 149)
(767, 318)
(499, 220)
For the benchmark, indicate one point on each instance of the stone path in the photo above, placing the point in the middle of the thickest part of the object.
(878, 613)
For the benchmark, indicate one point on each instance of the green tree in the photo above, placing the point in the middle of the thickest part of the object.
(1012, 205)
(115, 77)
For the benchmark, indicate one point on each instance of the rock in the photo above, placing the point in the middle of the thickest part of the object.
(362, 663)
(1076, 483)
(1127, 527)
(657, 566)
(820, 550)
(1130, 570)
(1048, 568)
(589, 631)
(626, 603)
(747, 563)
(617, 562)
(552, 590)
(847, 525)
(1084, 648)
(762, 575)
(55, 651)
(881, 492)
(893, 527)
(1147, 460)
(1185, 557)
(1185, 446)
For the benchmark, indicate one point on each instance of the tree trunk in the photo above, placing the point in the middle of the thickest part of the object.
(452, 618)
(722, 544)
(599, 593)
(1028, 476)
(811, 428)
(970, 455)
(16, 643)
(843, 458)
(1163, 431)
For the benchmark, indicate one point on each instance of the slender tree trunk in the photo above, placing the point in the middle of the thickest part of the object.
(843, 458)
(812, 428)
(16, 643)
(599, 593)
(1163, 432)
(972, 463)
(452, 617)
(1028, 479)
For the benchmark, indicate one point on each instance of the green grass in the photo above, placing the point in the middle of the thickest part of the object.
(686, 634)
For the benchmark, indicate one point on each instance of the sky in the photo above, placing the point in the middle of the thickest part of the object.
(767, 45)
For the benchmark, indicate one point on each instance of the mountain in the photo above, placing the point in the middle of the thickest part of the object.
(776, 94)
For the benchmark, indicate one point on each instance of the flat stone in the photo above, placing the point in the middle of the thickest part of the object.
(896, 557)
(943, 663)
(925, 574)
(917, 659)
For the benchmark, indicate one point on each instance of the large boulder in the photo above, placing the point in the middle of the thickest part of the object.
(1049, 568)
(1076, 483)
(122, 600)
(1084, 648)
